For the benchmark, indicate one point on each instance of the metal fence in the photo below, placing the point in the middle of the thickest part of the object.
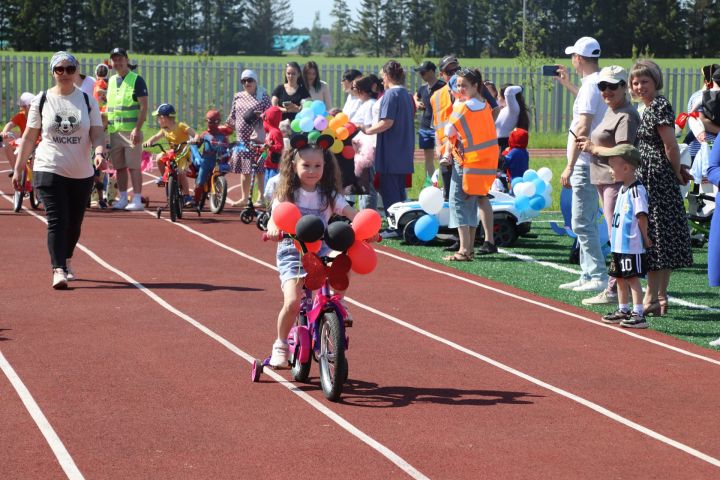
(193, 87)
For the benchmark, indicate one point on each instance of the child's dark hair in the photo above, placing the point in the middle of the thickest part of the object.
(524, 118)
(365, 85)
(329, 186)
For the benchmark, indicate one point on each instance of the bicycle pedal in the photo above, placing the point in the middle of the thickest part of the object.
(348, 322)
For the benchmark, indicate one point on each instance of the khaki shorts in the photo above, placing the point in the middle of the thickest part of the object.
(123, 154)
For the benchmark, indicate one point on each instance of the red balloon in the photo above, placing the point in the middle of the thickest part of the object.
(286, 216)
(351, 128)
(348, 152)
(312, 247)
(366, 223)
(364, 258)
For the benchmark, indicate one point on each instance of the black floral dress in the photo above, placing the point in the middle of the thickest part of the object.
(667, 222)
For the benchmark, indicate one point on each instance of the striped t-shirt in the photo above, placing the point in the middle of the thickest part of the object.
(626, 236)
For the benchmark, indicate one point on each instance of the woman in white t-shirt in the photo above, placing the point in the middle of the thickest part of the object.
(68, 123)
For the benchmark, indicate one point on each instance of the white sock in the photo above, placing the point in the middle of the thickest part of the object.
(624, 307)
(638, 309)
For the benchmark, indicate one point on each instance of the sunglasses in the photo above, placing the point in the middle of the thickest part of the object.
(451, 71)
(246, 80)
(70, 69)
(602, 86)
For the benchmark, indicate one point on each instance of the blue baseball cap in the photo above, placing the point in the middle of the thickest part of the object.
(165, 109)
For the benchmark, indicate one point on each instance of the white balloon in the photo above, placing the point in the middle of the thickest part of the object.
(431, 200)
(519, 189)
(545, 173)
(548, 187)
(529, 189)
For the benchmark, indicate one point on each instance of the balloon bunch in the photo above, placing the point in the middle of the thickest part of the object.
(431, 201)
(314, 121)
(533, 191)
(309, 231)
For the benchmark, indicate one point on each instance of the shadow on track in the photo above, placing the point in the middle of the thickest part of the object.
(202, 287)
(3, 338)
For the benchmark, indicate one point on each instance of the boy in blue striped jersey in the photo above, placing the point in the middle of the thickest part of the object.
(629, 237)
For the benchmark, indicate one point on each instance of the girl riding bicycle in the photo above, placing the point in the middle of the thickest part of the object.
(310, 178)
(175, 133)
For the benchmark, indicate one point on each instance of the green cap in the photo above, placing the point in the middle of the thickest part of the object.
(626, 151)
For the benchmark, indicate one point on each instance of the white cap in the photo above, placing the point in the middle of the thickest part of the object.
(613, 74)
(586, 47)
(249, 74)
(25, 99)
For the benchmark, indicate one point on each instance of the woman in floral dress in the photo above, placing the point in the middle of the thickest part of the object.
(661, 174)
(252, 99)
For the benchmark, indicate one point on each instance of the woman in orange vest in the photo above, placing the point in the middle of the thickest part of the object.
(473, 142)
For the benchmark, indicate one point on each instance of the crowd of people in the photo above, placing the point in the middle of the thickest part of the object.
(626, 160)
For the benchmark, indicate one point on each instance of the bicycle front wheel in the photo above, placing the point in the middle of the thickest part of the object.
(173, 194)
(20, 194)
(218, 195)
(331, 359)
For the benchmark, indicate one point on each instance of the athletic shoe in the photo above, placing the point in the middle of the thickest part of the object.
(120, 204)
(715, 343)
(59, 281)
(616, 317)
(160, 182)
(279, 356)
(635, 321)
(591, 286)
(136, 205)
(605, 297)
(387, 233)
(487, 249)
(69, 271)
(102, 204)
(572, 285)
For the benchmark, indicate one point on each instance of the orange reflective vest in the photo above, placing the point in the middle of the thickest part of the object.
(442, 107)
(480, 151)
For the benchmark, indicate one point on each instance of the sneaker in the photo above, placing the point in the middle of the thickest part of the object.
(603, 298)
(160, 182)
(136, 205)
(59, 281)
(189, 203)
(70, 274)
(279, 356)
(102, 204)
(616, 317)
(715, 343)
(120, 204)
(591, 286)
(388, 233)
(487, 249)
(572, 285)
(635, 321)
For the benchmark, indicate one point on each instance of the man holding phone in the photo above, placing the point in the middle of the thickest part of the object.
(588, 111)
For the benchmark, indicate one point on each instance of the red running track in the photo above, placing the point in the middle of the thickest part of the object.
(451, 376)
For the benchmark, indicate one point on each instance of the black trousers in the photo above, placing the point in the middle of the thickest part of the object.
(65, 200)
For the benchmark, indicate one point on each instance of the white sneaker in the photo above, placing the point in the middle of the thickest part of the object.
(715, 343)
(279, 356)
(572, 285)
(59, 281)
(136, 205)
(603, 298)
(70, 275)
(120, 204)
(591, 286)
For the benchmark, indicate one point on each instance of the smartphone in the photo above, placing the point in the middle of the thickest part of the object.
(550, 71)
(286, 103)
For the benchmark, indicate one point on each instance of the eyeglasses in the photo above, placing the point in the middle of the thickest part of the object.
(602, 86)
(246, 80)
(70, 69)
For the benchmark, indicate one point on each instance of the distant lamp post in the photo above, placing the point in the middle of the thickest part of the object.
(130, 26)
(523, 23)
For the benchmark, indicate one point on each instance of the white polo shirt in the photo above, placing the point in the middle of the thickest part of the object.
(588, 101)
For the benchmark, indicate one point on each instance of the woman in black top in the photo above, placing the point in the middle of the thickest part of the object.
(289, 96)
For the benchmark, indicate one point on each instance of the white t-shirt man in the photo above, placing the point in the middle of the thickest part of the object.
(65, 147)
(587, 102)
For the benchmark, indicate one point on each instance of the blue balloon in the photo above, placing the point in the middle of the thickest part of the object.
(318, 107)
(539, 186)
(306, 124)
(530, 175)
(305, 113)
(426, 228)
(515, 181)
(522, 204)
(537, 202)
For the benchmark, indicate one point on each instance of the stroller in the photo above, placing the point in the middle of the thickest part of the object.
(700, 197)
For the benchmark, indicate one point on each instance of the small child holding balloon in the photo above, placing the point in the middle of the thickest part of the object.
(309, 178)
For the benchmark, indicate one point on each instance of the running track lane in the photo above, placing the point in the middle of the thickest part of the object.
(449, 363)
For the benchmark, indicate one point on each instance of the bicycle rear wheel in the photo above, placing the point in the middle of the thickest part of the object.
(332, 361)
(34, 199)
(20, 194)
(218, 195)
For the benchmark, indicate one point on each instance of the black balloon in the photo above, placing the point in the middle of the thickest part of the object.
(310, 228)
(339, 236)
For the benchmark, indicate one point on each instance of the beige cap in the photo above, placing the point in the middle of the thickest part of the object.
(613, 74)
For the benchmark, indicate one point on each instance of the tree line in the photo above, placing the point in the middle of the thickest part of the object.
(383, 28)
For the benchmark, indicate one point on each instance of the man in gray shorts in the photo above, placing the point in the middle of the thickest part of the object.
(127, 104)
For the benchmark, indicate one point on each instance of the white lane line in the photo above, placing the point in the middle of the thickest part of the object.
(61, 454)
(319, 406)
(6, 171)
(587, 403)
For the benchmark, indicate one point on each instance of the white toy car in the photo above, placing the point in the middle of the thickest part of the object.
(509, 224)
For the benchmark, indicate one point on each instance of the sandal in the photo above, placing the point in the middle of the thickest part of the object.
(458, 257)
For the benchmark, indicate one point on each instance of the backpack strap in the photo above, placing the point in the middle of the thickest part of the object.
(43, 98)
(87, 101)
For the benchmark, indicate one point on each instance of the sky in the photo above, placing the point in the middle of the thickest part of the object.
(304, 11)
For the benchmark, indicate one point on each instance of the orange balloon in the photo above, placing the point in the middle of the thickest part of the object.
(342, 118)
(363, 256)
(366, 223)
(286, 216)
(342, 133)
(334, 124)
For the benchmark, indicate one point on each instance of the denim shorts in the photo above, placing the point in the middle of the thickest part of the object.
(426, 138)
(288, 260)
(463, 207)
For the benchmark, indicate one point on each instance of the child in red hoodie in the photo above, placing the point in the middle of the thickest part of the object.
(516, 155)
(273, 140)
